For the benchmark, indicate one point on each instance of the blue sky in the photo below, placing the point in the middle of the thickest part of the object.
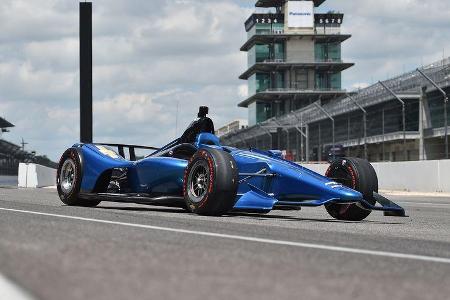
(151, 55)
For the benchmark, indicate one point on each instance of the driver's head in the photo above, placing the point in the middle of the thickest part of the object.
(202, 111)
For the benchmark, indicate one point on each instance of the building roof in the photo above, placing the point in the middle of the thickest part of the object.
(269, 38)
(236, 125)
(8, 149)
(310, 114)
(263, 67)
(277, 3)
(296, 95)
(406, 86)
(5, 124)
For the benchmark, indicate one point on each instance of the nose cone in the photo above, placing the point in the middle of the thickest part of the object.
(347, 194)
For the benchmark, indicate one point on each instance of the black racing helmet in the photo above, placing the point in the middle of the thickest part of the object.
(202, 125)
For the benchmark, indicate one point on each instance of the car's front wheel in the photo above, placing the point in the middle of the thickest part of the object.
(68, 179)
(359, 175)
(210, 182)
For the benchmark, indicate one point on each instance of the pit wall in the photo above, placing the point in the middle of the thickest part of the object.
(414, 176)
(35, 176)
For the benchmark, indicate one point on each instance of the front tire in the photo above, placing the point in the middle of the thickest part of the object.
(68, 179)
(210, 182)
(357, 174)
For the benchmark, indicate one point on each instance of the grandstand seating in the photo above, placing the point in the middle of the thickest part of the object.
(11, 154)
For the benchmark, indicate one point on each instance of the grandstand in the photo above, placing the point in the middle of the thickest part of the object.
(367, 122)
(11, 154)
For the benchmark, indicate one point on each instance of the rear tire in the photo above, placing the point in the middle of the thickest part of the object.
(68, 179)
(359, 175)
(210, 182)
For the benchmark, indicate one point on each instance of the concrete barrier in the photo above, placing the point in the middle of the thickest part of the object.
(7, 180)
(414, 176)
(317, 167)
(35, 176)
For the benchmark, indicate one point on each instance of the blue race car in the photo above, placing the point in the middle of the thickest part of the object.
(199, 174)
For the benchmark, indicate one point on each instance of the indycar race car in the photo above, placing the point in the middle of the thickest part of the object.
(199, 174)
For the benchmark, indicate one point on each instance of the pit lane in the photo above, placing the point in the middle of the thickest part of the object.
(55, 257)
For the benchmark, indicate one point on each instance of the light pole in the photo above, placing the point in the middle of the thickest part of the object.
(403, 116)
(332, 123)
(445, 108)
(287, 135)
(304, 134)
(268, 133)
(243, 141)
(86, 72)
(364, 121)
(382, 132)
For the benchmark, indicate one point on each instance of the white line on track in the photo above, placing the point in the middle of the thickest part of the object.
(10, 291)
(247, 238)
(429, 204)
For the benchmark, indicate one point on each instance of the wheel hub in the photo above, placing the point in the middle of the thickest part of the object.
(67, 176)
(199, 181)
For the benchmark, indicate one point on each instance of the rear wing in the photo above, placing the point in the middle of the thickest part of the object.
(131, 149)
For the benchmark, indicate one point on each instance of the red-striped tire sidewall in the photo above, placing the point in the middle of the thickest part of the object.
(363, 179)
(223, 183)
(201, 154)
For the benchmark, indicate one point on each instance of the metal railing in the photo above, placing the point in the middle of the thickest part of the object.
(283, 32)
(306, 90)
(269, 32)
(332, 60)
(317, 60)
(274, 60)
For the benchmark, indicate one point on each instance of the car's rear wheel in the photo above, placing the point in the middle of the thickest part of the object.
(210, 182)
(359, 175)
(68, 179)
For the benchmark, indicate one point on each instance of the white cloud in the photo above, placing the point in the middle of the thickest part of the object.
(151, 55)
(243, 90)
(145, 61)
(389, 37)
(132, 109)
(21, 81)
(359, 85)
(60, 55)
(22, 21)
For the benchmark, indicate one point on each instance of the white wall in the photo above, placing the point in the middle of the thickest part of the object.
(34, 176)
(318, 168)
(415, 176)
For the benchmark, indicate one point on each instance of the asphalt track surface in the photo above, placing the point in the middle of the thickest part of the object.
(127, 251)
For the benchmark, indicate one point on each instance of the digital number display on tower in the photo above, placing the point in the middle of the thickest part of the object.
(263, 19)
(329, 19)
(300, 14)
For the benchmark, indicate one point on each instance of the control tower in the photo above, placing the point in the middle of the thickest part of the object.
(294, 58)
